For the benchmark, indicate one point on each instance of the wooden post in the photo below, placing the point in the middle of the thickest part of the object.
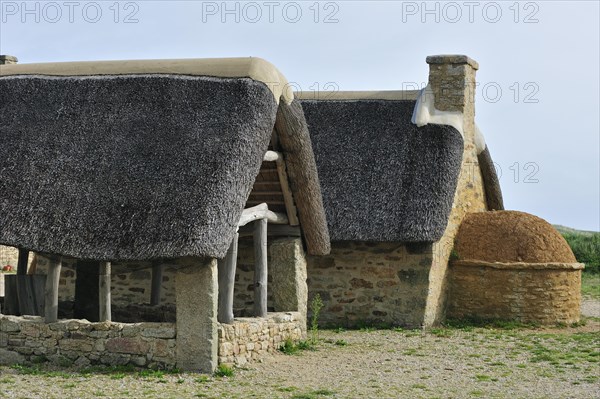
(104, 309)
(260, 268)
(51, 292)
(227, 282)
(22, 262)
(25, 295)
(156, 288)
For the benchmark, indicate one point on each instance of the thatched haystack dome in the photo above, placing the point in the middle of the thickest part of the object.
(513, 266)
(511, 236)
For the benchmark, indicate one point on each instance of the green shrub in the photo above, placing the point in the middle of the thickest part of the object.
(586, 248)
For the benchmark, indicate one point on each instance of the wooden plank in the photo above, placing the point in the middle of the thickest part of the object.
(259, 193)
(38, 283)
(25, 295)
(156, 287)
(104, 305)
(288, 198)
(260, 268)
(226, 274)
(22, 262)
(258, 202)
(51, 291)
(87, 290)
(266, 183)
(261, 211)
(274, 230)
(11, 300)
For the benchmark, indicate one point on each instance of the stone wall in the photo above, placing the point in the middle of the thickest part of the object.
(531, 293)
(371, 283)
(81, 343)
(251, 339)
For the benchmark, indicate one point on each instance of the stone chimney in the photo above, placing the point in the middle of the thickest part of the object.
(452, 79)
(8, 59)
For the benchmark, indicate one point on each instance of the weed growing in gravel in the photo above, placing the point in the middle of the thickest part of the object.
(315, 306)
(224, 371)
(290, 347)
(203, 379)
(441, 332)
(314, 394)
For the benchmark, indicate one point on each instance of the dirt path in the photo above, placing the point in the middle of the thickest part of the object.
(590, 307)
(468, 363)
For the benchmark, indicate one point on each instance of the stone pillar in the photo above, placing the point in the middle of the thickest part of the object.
(452, 80)
(8, 59)
(288, 268)
(196, 292)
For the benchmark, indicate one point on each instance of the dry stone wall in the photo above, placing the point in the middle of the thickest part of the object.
(251, 339)
(530, 293)
(81, 343)
(370, 283)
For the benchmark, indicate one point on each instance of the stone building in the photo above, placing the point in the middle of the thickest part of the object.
(191, 201)
(164, 165)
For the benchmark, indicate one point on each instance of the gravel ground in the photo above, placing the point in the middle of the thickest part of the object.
(442, 363)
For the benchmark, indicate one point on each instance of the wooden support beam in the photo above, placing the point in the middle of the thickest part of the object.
(260, 268)
(261, 211)
(51, 291)
(156, 287)
(288, 198)
(104, 305)
(274, 230)
(226, 274)
(22, 262)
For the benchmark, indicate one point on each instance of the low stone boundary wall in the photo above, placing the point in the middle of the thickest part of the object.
(544, 293)
(153, 345)
(81, 343)
(251, 339)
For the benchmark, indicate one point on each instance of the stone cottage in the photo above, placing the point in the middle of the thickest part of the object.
(398, 170)
(199, 197)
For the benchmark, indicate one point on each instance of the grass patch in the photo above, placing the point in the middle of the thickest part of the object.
(319, 393)
(441, 332)
(224, 371)
(590, 285)
(484, 378)
(469, 324)
(290, 347)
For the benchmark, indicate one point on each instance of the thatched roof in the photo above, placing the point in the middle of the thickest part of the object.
(491, 182)
(382, 177)
(302, 170)
(129, 166)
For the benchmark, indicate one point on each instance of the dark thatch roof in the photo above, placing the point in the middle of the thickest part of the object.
(491, 183)
(302, 171)
(382, 177)
(129, 167)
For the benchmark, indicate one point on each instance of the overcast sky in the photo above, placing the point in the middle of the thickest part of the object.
(538, 96)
